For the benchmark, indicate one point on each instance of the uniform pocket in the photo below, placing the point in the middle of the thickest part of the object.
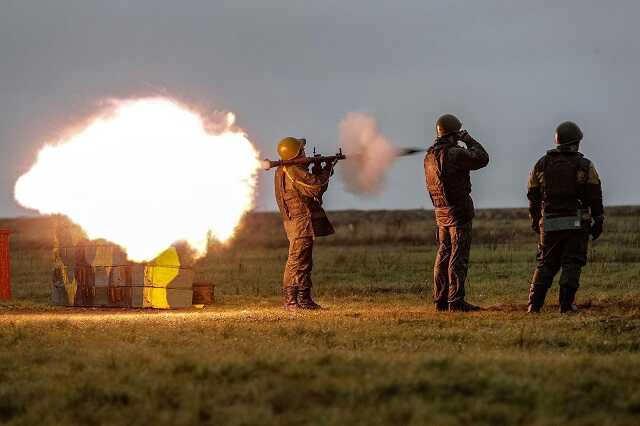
(296, 207)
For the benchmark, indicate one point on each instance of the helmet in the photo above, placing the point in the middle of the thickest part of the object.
(449, 123)
(568, 133)
(289, 148)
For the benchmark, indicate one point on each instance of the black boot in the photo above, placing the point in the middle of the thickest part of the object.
(306, 302)
(462, 306)
(537, 293)
(290, 298)
(441, 306)
(566, 298)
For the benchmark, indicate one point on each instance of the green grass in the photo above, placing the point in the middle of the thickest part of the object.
(378, 354)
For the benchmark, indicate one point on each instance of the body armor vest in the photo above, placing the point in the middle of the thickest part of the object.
(564, 182)
(448, 188)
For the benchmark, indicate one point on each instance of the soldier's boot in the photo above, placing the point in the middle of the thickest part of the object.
(462, 306)
(290, 298)
(569, 283)
(567, 297)
(305, 301)
(441, 306)
(537, 293)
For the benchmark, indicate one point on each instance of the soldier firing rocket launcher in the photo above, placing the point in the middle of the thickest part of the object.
(369, 160)
(318, 158)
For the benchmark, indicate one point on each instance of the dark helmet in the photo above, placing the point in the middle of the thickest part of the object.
(449, 123)
(568, 133)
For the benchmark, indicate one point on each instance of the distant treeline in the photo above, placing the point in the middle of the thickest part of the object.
(356, 227)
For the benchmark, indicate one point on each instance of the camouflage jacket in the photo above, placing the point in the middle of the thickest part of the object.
(562, 183)
(299, 197)
(446, 167)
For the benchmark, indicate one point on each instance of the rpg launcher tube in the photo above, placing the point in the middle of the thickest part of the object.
(302, 161)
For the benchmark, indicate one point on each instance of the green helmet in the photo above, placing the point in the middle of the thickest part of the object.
(449, 123)
(289, 148)
(568, 133)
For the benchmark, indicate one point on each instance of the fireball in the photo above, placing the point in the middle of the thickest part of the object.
(146, 174)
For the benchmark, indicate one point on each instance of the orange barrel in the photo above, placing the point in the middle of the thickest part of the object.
(5, 266)
(203, 293)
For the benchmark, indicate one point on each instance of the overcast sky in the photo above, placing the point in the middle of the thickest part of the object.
(512, 70)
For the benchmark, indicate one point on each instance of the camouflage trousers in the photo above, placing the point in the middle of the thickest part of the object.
(566, 250)
(452, 263)
(297, 270)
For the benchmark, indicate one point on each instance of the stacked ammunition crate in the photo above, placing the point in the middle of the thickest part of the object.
(97, 273)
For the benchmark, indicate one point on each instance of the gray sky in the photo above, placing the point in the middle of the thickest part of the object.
(512, 70)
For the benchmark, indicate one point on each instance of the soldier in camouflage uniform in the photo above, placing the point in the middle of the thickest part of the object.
(447, 166)
(299, 197)
(565, 207)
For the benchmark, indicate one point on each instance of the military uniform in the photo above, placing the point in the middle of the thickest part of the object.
(565, 206)
(448, 182)
(299, 197)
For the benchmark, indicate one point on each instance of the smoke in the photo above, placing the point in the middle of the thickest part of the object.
(369, 154)
(146, 174)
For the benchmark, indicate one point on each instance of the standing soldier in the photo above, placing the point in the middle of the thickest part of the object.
(299, 197)
(565, 206)
(446, 167)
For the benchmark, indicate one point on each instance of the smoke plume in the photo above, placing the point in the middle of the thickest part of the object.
(369, 154)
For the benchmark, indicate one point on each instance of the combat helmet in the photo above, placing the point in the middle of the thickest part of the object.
(290, 147)
(449, 123)
(568, 133)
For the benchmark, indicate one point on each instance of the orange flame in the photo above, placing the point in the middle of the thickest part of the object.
(146, 175)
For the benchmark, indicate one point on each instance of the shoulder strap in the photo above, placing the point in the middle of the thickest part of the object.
(303, 184)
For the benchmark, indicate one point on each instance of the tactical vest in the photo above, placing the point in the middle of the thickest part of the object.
(564, 182)
(449, 189)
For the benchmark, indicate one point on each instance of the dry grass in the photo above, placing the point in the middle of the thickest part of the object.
(377, 355)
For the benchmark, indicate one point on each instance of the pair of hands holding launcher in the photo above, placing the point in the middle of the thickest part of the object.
(321, 166)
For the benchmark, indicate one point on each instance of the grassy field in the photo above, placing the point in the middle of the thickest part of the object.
(378, 353)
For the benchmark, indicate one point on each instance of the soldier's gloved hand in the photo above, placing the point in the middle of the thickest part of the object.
(464, 136)
(596, 229)
(329, 165)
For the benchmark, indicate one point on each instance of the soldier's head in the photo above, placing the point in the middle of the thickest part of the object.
(447, 124)
(290, 148)
(568, 134)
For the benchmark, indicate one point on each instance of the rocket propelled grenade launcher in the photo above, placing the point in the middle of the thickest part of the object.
(303, 161)
(317, 158)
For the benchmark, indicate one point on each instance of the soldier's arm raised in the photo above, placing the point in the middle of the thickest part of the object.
(310, 185)
(474, 157)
